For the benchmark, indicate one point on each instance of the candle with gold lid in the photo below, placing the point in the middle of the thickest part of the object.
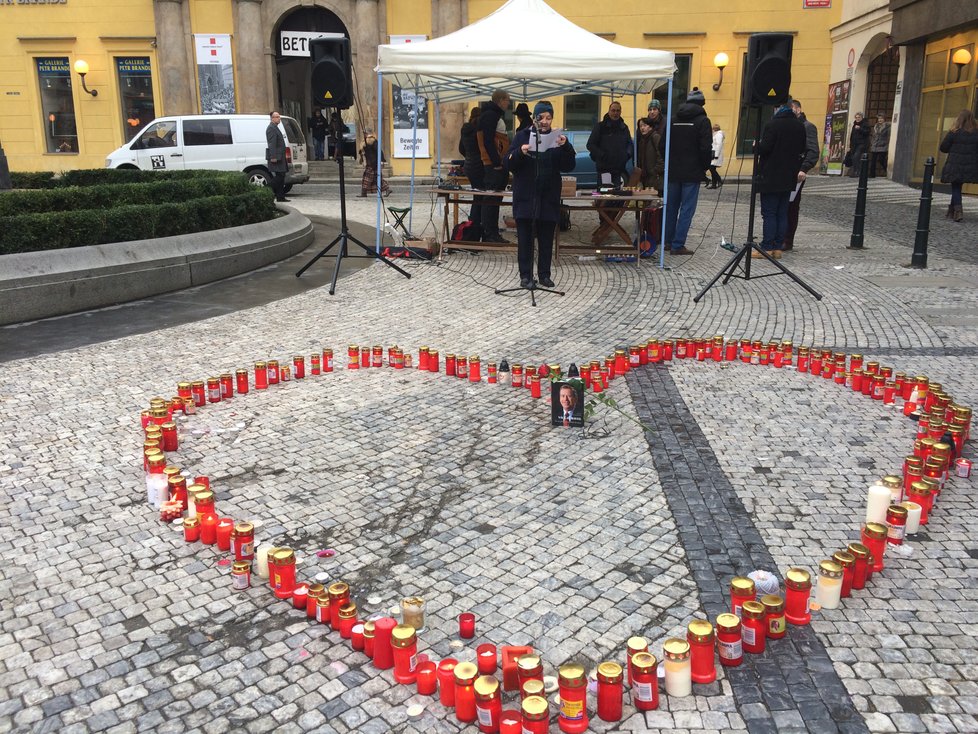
(741, 590)
(829, 589)
(701, 639)
(774, 616)
(678, 670)
(798, 586)
(847, 562)
(860, 569)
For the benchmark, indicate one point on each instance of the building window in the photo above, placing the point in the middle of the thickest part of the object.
(57, 104)
(135, 93)
(680, 85)
(747, 129)
(208, 132)
(581, 111)
(881, 82)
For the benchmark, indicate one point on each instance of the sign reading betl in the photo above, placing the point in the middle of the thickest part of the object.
(296, 43)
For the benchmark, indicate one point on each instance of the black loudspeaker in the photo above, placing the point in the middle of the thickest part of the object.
(768, 69)
(332, 72)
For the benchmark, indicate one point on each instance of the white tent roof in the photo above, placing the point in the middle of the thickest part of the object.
(528, 49)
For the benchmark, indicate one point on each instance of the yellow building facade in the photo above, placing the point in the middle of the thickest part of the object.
(151, 58)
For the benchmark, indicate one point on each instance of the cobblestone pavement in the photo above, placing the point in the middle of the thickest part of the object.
(565, 540)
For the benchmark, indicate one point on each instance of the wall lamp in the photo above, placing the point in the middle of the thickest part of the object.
(720, 61)
(81, 69)
(961, 58)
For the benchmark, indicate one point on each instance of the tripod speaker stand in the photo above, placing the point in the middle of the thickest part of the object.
(344, 237)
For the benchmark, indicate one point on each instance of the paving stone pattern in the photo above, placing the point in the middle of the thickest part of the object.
(109, 622)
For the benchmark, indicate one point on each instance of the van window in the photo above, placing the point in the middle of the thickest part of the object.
(292, 130)
(158, 135)
(207, 132)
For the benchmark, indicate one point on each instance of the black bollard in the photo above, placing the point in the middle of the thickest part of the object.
(919, 257)
(859, 220)
(4, 171)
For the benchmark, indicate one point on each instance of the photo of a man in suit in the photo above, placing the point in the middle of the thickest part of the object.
(567, 399)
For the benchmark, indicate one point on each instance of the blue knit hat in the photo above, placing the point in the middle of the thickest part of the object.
(540, 107)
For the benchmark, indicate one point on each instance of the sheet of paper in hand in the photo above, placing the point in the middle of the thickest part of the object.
(543, 141)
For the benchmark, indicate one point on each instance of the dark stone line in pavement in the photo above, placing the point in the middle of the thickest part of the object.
(795, 674)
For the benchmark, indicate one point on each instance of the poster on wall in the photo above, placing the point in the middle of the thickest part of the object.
(406, 109)
(836, 125)
(215, 73)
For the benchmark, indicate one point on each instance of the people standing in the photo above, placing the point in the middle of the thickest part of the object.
(715, 180)
(807, 164)
(961, 166)
(318, 127)
(690, 154)
(493, 143)
(536, 194)
(859, 138)
(879, 147)
(278, 164)
(523, 117)
(650, 161)
(610, 145)
(368, 156)
(657, 118)
(780, 153)
(468, 148)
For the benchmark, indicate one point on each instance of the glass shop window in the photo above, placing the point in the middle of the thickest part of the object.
(57, 104)
(135, 93)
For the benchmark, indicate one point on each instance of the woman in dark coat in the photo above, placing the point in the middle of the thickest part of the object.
(468, 148)
(961, 166)
(650, 155)
(536, 194)
(779, 154)
(859, 138)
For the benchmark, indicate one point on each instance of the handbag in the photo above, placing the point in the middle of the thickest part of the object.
(847, 161)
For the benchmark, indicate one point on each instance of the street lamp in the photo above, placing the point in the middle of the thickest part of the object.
(81, 69)
(961, 58)
(720, 61)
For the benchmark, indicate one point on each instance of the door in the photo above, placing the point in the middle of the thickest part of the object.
(158, 148)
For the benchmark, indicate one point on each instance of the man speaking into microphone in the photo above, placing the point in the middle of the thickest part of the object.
(536, 158)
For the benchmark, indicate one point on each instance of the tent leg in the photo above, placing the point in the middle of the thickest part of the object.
(665, 181)
(380, 147)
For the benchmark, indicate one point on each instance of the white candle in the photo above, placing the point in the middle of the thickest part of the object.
(877, 500)
(156, 490)
(678, 668)
(913, 517)
(261, 558)
(829, 589)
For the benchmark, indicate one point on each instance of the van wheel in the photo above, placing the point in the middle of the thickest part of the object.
(128, 167)
(259, 177)
(287, 188)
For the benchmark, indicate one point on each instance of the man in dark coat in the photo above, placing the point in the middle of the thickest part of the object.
(859, 139)
(780, 153)
(493, 142)
(807, 164)
(610, 145)
(690, 155)
(318, 126)
(536, 193)
(278, 164)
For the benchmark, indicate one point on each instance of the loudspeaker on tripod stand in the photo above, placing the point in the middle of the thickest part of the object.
(332, 72)
(768, 77)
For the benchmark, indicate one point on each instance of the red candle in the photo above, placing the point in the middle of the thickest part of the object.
(423, 359)
(475, 370)
(427, 678)
(273, 373)
(339, 596)
(699, 635)
(227, 386)
(466, 625)
(536, 715)
(383, 653)
(535, 391)
(465, 675)
(860, 567)
(327, 360)
(446, 681)
(203, 480)
(315, 364)
(488, 704)
(299, 366)
(369, 636)
(191, 529)
(208, 529)
(300, 595)
(511, 655)
(572, 718)
(609, 691)
(433, 365)
(645, 681)
(774, 616)
(633, 646)
(874, 538)
(450, 365)
(241, 378)
(243, 541)
(510, 722)
(224, 527)
(347, 618)
(283, 576)
(741, 590)
(798, 583)
(322, 609)
(729, 643)
(356, 637)
(486, 658)
(313, 592)
(261, 376)
(754, 627)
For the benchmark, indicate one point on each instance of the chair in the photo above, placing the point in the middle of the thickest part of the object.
(400, 214)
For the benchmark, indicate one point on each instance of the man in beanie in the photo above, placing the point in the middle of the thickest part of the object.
(779, 157)
(536, 193)
(610, 145)
(690, 155)
(657, 118)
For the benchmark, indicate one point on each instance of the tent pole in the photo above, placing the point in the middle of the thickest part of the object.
(665, 180)
(437, 139)
(380, 147)
(414, 153)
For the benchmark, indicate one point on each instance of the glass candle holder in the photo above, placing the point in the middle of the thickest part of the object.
(678, 669)
(645, 681)
(730, 645)
(896, 524)
(874, 538)
(465, 675)
(860, 569)
(847, 561)
(488, 704)
(774, 616)
(466, 625)
(446, 682)
(702, 643)
(536, 715)
(412, 612)
(913, 517)
(829, 589)
(754, 627)
(486, 658)
(798, 586)
(404, 643)
(572, 717)
(610, 689)
(633, 646)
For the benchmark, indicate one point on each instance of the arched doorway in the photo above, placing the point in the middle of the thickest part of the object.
(292, 66)
(881, 82)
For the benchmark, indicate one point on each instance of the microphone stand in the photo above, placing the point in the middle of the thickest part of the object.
(534, 233)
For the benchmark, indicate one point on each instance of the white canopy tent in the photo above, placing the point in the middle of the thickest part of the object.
(527, 49)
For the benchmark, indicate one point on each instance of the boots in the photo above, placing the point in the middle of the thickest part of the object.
(950, 212)
(958, 214)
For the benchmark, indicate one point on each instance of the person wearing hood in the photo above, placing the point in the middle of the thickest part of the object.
(536, 194)
(780, 153)
(690, 155)
(859, 139)
(493, 142)
(610, 145)
(522, 113)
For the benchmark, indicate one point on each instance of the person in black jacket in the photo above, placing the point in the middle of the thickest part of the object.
(780, 153)
(807, 164)
(318, 126)
(536, 194)
(522, 113)
(690, 155)
(961, 166)
(610, 145)
(493, 142)
(468, 148)
(862, 131)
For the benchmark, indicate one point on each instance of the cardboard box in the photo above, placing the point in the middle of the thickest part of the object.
(568, 187)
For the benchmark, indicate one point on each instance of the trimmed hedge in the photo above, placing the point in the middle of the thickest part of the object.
(123, 223)
(96, 176)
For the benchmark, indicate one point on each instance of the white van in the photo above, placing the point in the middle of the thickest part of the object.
(216, 142)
